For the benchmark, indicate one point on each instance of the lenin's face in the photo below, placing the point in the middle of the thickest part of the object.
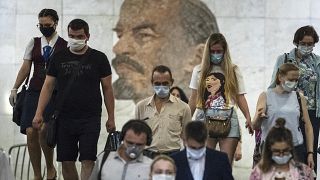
(149, 34)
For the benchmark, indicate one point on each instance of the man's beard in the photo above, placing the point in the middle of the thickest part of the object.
(123, 88)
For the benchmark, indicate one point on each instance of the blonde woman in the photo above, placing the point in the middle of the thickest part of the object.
(163, 168)
(216, 59)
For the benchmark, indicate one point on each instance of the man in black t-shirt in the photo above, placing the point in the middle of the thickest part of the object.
(78, 72)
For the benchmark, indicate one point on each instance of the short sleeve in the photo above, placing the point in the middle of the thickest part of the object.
(195, 77)
(104, 67)
(240, 81)
(28, 51)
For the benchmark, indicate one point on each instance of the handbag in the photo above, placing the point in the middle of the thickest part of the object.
(52, 124)
(18, 107)
(51, 134)
(218, 122)
(113, 142)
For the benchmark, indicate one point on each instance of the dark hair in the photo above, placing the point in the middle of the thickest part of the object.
(305, 31)
(49, 12)
(183, 96)
(284, 69)
(197, 20)
(197, 131)
(278, 133)
(221, 77)
(78, 24)
(161, 69)
(138, 127)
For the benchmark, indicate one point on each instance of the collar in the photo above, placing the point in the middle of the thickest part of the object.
(51, 43)
(171, 99)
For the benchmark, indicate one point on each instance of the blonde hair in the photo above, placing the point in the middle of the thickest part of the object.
(165, 158)
(231, 84)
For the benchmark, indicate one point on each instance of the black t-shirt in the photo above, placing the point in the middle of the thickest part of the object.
(84, 97)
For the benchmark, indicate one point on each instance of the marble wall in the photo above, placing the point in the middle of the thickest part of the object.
(257, 32)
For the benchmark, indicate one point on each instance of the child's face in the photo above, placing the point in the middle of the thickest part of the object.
(212, 84)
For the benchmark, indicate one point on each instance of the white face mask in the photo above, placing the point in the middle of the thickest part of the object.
(305, 50)
(289, 86)
(76, 44)
(163, 177)
(195, 154)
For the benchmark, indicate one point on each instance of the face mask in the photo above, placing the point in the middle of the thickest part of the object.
(281, 159)
(216, 58)
(195, 154)
(163, 177)
(133, 151)
(76, 44)
(305, 50)
(162, 91)
(47, 31)
(289, 86)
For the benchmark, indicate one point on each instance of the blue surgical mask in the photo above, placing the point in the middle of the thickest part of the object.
(305, 50)
(195, 154)
(162, 91)
(216, 58)
(282, 159)
(289, 86)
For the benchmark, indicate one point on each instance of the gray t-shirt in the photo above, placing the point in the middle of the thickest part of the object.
(285, 106)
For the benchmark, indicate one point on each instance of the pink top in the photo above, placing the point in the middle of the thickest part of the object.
(296, 171)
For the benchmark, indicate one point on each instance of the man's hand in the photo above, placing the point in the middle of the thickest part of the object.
(110, 125)
(13, 97)
(37, 121)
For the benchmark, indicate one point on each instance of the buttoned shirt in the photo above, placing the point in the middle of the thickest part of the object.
(197, 167)
(116, 168)
(44, 42)
(168, 124)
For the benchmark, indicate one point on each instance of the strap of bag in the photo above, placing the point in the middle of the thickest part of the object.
(68, 86)
(285, 57)
(300, 107)
(103, 160)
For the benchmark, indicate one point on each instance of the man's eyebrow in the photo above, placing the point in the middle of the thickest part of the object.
(144, 25)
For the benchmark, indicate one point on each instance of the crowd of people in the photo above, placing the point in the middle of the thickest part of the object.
(171, 137)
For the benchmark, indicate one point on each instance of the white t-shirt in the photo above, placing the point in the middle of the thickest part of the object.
(44, 42)
(195, 78)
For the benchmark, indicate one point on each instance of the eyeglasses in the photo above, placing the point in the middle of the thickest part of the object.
(306, 43)
(279, 152)
(44, 25)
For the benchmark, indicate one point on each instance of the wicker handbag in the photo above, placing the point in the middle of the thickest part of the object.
(218, 122)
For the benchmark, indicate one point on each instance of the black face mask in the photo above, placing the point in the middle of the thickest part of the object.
(47, 31)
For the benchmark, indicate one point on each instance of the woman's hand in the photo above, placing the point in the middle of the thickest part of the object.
(249, 126)
(310, 160)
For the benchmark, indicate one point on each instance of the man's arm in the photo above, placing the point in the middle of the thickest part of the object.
(186, 118)
(44, 98)
(106, 84)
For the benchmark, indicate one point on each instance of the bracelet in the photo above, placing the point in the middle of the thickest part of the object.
(310, 153)
(14, 89)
